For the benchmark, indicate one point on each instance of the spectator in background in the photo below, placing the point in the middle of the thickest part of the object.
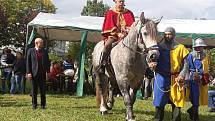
(211, 100)
(69, 73)
(54, 72)
(19, 69)
(37, 66)
(146, 85)
(61, 77)
(7, 61)
(68, 64)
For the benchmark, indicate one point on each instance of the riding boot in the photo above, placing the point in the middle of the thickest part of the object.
(105, 54)
(159, 114)
(195, 114)
(176, 113)
(103, 61)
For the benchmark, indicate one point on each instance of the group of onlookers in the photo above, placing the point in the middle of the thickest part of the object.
(13, 71)
(64, 76)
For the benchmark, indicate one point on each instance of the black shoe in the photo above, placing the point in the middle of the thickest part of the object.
(34, 107)
(43, 107)
(196, 116)
(190, 112)
(145, 98)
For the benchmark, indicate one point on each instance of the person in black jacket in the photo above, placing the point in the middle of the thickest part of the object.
(37, 66)
(19, 68)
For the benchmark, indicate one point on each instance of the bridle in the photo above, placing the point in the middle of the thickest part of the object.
(139, 37)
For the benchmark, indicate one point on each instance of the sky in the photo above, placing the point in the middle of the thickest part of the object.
(169, 9)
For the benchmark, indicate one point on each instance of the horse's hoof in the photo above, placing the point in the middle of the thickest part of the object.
(133, 118)
(130, 119)
(109, 106)
(103, 112)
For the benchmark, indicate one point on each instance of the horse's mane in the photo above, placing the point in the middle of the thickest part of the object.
(151, 28)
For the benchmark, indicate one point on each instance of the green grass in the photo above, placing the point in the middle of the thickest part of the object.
(69, 108)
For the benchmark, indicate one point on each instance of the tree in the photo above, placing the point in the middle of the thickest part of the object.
(94, 8)
(3, 25)
(15, 15)
(74, 49)
(212, 62)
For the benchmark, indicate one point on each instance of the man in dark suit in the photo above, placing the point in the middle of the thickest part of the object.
(37, 66)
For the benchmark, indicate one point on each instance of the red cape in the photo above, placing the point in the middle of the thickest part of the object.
(111, 26)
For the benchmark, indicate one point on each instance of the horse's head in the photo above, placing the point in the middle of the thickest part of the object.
(147, 37)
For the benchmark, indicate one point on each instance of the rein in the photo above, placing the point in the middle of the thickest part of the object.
(142, 53)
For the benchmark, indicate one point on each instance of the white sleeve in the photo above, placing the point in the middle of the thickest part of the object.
(3, 60)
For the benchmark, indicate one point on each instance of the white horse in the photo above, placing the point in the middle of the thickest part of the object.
(129, 60)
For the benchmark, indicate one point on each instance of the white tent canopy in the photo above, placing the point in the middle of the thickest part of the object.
(61, 27)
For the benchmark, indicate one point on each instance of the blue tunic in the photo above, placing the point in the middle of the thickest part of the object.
(162, 79)
(194, 86)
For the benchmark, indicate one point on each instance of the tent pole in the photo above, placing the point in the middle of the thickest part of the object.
(81, 76)
(26, 41)
(30, 39)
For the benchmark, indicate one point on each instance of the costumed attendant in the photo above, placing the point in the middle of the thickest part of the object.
(169, 78)
(198, 78)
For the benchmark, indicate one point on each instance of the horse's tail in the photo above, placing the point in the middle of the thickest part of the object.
(98, 98)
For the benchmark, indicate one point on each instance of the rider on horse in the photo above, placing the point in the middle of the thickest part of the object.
(115, 27)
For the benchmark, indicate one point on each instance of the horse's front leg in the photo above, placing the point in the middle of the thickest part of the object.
(103, 88)
(124, 88)
(112, 85)
(133, 91)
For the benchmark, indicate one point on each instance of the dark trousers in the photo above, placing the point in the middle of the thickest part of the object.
(38, 81)
(176, 113)
(146, 88)
(23, 85)
(6, 80)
